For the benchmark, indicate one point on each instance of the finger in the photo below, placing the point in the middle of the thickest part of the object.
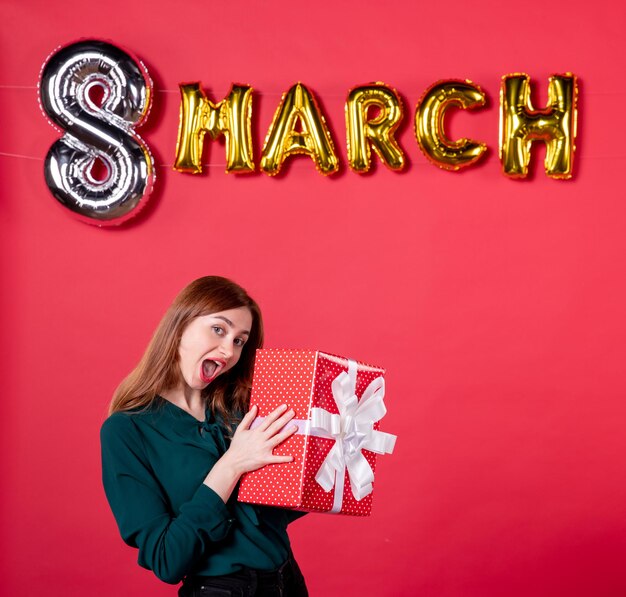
(249, 417)
(272, 417)
(279, 438)
(278, 425)
(280, 459)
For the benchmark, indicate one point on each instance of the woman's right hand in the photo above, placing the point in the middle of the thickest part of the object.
(251, 449)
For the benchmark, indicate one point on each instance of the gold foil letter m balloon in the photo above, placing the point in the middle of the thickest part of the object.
(429, 124)
(230, 117)
(378, 131)
(520, 125)
(298, 128)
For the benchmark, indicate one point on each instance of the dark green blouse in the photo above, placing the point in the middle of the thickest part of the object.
(154, 462)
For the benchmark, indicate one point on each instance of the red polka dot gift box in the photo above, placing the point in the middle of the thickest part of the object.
(338, 404)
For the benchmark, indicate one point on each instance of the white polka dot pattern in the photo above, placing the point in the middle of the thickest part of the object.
(302, 380)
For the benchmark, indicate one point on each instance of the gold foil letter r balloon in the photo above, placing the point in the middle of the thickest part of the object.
(429, 123)
(230, 117)
(377, 132)
(298, 107)
(520, 125)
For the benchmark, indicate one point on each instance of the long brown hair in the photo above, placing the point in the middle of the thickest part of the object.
(158, 369)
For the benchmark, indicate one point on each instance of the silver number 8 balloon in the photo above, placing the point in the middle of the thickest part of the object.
(95, 131)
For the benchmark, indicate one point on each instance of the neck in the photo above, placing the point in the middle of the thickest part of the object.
(189, 399)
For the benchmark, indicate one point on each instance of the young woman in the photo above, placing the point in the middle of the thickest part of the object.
(177, 442)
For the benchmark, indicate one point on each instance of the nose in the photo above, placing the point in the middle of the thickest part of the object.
(226, 348)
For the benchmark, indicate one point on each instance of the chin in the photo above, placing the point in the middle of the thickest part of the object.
(196, 384)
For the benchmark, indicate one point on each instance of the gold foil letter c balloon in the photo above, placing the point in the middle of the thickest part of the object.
(520, 125)
(429, 123)
(378, 132)
(231, 117)
(298, 106)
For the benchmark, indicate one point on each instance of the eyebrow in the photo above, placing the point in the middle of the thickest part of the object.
(230, 323)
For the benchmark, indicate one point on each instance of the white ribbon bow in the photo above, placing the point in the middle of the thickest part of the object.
(353, 431)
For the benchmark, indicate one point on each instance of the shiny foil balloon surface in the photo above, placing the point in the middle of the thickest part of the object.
(97, 131)
(429, 123)
(298, 108)
(363, 131)
(231, 117)
(520, 125)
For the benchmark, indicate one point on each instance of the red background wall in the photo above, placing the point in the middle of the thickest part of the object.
(496, 305)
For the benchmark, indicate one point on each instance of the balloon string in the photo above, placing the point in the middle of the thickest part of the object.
(37, 159)
(176, 91)
(17, 155)
(223, 165)
(322, 95)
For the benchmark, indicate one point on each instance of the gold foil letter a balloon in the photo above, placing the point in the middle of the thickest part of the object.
(429, 123)
(298, 107)
(230, 117)
(520, 125)
(378, 131)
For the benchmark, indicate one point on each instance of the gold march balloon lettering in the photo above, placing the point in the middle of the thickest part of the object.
(373, 114)
(104, 133)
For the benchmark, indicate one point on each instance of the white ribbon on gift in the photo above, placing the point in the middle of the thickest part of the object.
(353, 431)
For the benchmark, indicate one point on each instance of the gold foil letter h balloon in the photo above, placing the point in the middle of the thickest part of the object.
(520, 125)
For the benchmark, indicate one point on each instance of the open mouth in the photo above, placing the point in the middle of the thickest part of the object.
(210, 369)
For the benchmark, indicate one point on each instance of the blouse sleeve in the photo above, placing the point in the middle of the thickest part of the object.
(168, 544)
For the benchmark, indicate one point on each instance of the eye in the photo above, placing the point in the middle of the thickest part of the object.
(218, 330)
(239, 342)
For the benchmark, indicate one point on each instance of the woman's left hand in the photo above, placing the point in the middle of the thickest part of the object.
(251, 449)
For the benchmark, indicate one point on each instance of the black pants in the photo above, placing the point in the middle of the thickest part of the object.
(286, 581)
